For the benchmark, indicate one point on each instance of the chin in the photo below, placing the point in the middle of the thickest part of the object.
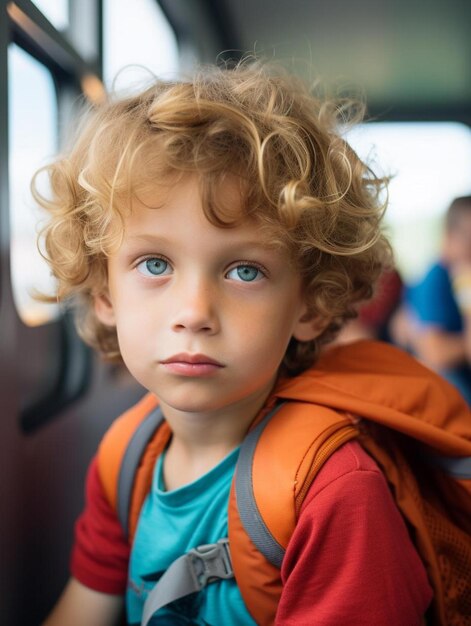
(196, 401)
(194, 406)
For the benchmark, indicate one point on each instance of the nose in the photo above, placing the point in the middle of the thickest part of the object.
(195, 308)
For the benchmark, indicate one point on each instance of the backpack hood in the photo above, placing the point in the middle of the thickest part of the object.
(374, 380)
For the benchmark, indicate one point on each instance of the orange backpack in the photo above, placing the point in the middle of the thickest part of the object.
(412, 422)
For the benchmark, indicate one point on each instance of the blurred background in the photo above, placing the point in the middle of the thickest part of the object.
(410, 61)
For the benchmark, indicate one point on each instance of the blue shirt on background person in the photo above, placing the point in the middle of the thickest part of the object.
(432, 304)
(438, 307)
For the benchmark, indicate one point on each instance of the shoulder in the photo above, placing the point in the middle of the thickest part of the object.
(350, 509)
(351, 479)
(437, 274)
(433, 301)
(437, 277)
(349, 460)
(115, 442)
(125, 424)
(350, 558)
(100, 552)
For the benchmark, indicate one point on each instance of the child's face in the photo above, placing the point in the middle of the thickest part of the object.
(203, 314)
(457, 246)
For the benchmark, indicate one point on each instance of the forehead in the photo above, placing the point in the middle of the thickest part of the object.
(229, 191)
(179, 208)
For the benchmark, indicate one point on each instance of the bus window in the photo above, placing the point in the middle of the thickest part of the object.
(33, 140)
(138, 43)
(56, 11)
(430, 164)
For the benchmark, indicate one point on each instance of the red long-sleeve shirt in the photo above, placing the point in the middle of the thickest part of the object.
(350, 559)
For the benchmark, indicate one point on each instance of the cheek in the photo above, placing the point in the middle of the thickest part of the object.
(264, 333)
(134, 329)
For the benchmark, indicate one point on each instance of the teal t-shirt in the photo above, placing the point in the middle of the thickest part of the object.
(170, 524)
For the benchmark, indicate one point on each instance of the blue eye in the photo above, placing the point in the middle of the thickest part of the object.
(154, 267)
(245, 273)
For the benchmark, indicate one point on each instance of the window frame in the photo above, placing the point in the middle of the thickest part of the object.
(29, 29)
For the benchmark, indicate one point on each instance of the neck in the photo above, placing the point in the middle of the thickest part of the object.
(201, 440)
(223, 427)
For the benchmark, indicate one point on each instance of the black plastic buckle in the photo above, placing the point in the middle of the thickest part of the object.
(211, 562)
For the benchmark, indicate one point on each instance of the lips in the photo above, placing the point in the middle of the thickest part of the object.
(191, 365)
(192, 359)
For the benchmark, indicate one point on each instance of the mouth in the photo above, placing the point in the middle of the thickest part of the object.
(193, 359)
(194, 365)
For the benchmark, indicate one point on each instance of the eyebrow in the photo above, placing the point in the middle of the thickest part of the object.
(148, 239)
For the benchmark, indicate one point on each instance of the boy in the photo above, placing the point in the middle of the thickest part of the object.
(217, 232)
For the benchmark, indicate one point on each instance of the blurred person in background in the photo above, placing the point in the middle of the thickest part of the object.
(374, 316)
(435, 320)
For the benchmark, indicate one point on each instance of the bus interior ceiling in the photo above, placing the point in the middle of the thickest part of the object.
(412, 62)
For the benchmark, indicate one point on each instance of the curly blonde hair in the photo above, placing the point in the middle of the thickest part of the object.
(303, 184)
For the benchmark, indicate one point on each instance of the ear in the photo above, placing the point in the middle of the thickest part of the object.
(104, 309)
(309, 326)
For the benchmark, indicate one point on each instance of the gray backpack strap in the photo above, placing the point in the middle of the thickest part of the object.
(188, 574)
(130, 463)
(249, 514)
